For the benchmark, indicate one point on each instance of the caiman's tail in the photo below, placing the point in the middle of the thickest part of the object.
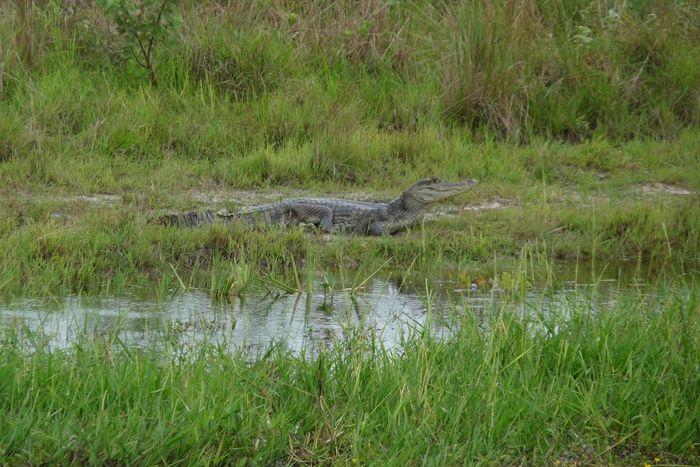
(194, 218)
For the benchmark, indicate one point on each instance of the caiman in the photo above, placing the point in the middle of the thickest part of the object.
(337, 215)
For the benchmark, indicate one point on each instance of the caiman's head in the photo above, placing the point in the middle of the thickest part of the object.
(432, 190)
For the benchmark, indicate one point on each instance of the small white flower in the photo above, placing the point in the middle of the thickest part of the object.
(613, 16)
(583, 36)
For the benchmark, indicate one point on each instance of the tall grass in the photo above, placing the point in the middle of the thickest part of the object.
(260, 93)
(289, 72)
(568, 70)
(615, 385)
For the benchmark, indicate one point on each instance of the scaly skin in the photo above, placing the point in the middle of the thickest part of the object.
(338, 215)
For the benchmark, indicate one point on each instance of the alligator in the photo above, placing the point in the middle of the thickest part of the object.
(337, 215)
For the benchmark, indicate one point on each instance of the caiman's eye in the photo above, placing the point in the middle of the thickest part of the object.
(435, 180)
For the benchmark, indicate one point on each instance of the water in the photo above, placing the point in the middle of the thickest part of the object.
(385, 308)
(253, 322)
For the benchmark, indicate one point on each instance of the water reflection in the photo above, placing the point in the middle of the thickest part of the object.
(386, 308)
(301, 321)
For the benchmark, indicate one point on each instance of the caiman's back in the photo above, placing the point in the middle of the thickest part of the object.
(331, 213)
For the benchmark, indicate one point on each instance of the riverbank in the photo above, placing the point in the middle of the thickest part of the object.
(83, 225)
(72, 244)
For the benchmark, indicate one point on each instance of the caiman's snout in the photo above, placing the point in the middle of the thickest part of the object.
(453, 187)
(433, 190)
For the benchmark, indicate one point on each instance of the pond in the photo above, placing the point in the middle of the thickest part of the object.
(385, 308)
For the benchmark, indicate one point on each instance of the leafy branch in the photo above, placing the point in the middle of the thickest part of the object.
(144, 24)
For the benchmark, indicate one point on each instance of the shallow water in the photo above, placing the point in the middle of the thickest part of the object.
(385, 308)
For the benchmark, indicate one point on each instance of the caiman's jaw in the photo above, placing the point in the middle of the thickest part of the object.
(432, 190)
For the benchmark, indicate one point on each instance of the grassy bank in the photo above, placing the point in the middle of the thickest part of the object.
(370, 161)
(109, 250)
(618, 385)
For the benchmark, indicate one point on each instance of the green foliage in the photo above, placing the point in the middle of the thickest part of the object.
(145, 24)
(242, 65)
(569, 71)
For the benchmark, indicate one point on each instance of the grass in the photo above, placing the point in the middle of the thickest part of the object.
(242, 77)
(612, 385)
(577, 117)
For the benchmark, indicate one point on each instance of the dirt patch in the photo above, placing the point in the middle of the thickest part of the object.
(20, 202)
(495, 204)
(662, 188)
(241, 197)
(454, 210)
(40, 196)
(98, 198)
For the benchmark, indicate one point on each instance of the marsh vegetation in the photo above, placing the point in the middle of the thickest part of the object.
(578, 118)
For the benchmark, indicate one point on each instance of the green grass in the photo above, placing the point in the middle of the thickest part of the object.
(617, 385)
(371, 159)
(245, 78)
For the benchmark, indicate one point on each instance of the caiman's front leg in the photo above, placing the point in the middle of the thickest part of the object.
(315, 214)
(391, 227)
